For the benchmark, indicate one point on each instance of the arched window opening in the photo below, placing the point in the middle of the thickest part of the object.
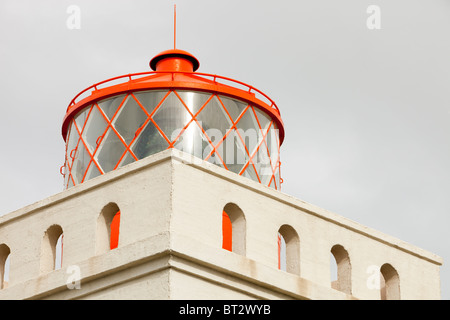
(389, 283)
(288, 250)
(108, 228)
(5, 254)
(51, 252)
(341, 269)
(233, 229)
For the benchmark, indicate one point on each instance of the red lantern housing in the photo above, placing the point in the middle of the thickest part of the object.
(217, 119)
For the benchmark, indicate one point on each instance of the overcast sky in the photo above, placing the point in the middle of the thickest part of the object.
(366, 111)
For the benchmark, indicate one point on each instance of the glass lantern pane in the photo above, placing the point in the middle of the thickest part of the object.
(250, 173)
(277, 179)
(272, 184)
(194, 101)
(272, 145)
(262, 165)
(82, 159)
(249, 131)
(73, 139)
(109, 106)
(263, 119)
(72, 143)
(95, 128)
(70, 183)
(150, 141)
(265, 173)
(233, 152)
(214, 159)
(214, 118)
(150, 99)
(172, 116)
(277, 133)
(192, 141)
(247, 121)
(80, 119)
(92, 172)
(129, 119)
(110, 151)
(234, 107)
(127, 159)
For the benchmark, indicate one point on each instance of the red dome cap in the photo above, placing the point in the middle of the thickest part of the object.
(174, 60)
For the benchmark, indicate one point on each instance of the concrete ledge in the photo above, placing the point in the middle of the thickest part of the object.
(55, 283)
(242, 274)
(154, 255)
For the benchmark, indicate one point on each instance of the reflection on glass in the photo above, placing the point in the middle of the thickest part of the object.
(193, 141)
(194, 101)
(263, 119)
(150, 141)
(127, 159)
(272, 145)
(110, 151)
(249, 131)
(129, 119)
(81, 160)
(277, 178)
(233, 107)
(109, 106)
(233, 152)
(215, 159)
(213, 117)
(71, 145)
(250, 173)
(95, 127)
(150, 99)
(81, 118)
(171, 115)
(92, 171)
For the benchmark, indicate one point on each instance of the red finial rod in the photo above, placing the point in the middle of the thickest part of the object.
(174, 26)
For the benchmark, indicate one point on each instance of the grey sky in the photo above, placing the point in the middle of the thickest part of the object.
(366, 112)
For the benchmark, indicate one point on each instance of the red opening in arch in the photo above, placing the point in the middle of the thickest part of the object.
(115, 225)
(227, 234)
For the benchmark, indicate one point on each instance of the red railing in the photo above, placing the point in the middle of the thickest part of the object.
(129, 77)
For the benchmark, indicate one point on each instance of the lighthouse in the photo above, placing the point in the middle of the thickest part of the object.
(171, 191)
